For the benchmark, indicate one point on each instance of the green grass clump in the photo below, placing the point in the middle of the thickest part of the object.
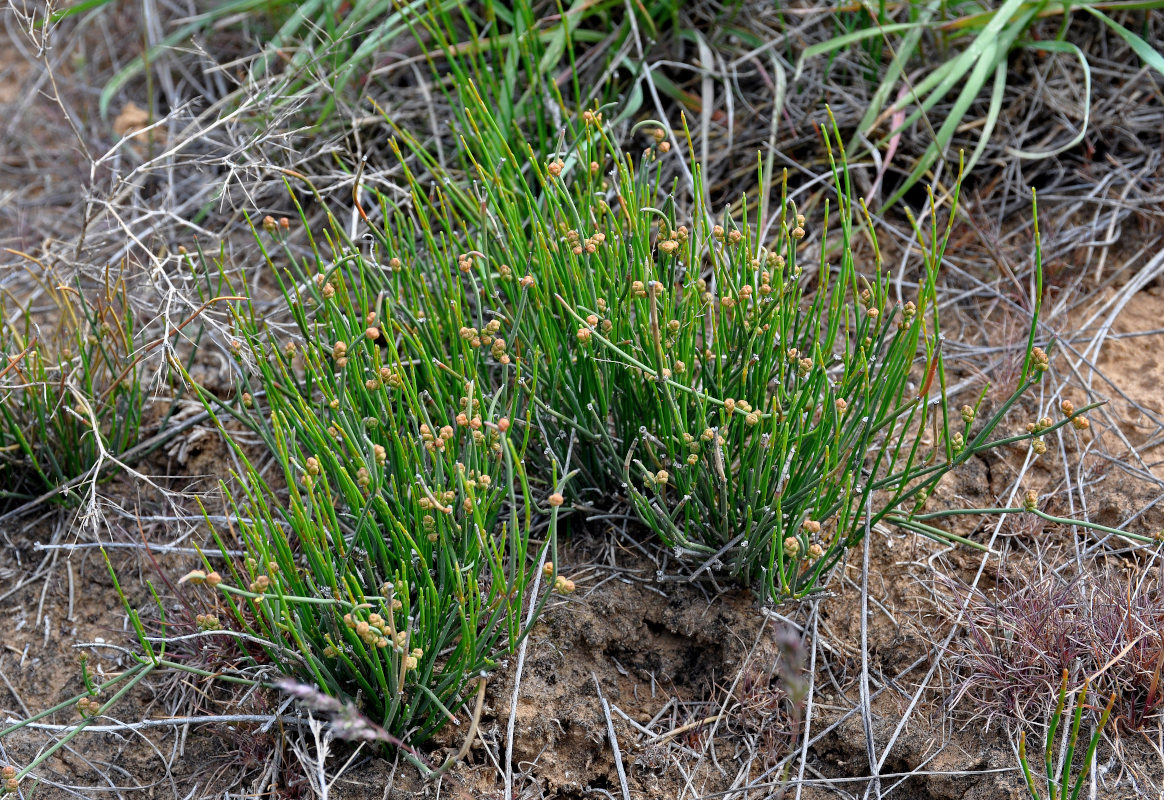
(399, 562)
(71, 393)
(759, 413)
(966, 48)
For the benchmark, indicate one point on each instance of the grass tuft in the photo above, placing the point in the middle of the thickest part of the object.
(71, 385)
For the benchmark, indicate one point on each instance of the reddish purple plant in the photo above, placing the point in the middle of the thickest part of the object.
(1108, 627)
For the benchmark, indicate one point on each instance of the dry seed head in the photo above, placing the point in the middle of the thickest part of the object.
(791, 546)
(662, 476)
(815, 551)
(811, 526)
(668, 246)
(213, 579)
(556, 499)
(555, 167)
(1067, 408)
(734, 237)
(563, 585)
(584, 336)
(269, 224)
(1031, 500)
(548, 569)
(841, 405)
(798, 233)
(717, 232)
(372, 333)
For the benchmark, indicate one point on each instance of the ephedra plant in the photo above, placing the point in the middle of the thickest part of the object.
(396, 564)
(759, 413)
